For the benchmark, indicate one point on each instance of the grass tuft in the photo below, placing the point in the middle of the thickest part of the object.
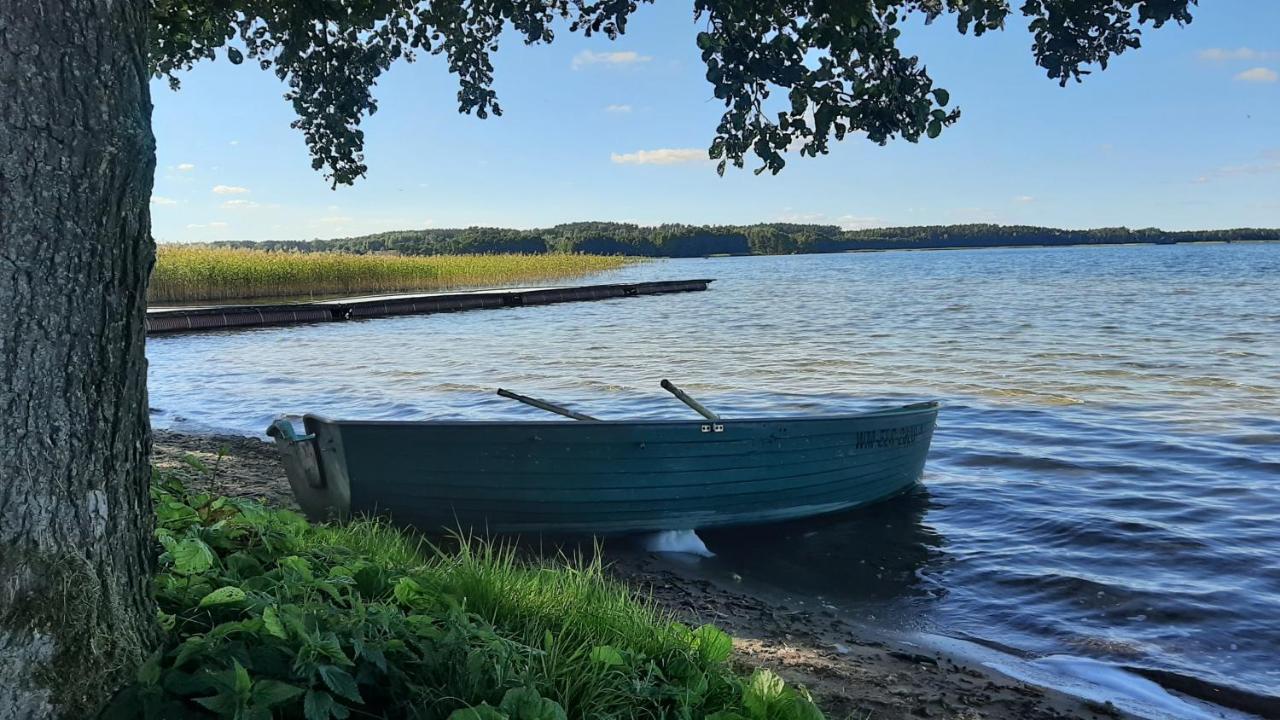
(191, 273)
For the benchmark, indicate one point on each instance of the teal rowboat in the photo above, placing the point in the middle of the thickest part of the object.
(603, 476)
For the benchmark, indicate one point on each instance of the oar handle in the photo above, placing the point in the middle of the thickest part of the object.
(684, 398)
(544, 405)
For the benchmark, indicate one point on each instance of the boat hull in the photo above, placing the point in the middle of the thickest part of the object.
(604, 477)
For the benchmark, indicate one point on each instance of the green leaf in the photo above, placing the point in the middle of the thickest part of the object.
(189, 648)
(408, 592)
(271, 621)
(222, 596)
(274, 692)
(482, 711)
(760, 693)
(527, 704)
(606, 655)
(423, 625)
(195, 462)
(317, 705)
(149, 673)
(712, 643)
(942, 96)
(166, 620)
(242, 680)
(222, 703)
(340, 682)
(934, 129)
(191, 557)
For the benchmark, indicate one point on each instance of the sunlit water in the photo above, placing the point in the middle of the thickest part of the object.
(1104, 481)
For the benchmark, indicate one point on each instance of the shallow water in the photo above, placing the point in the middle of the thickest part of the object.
(1104, 480)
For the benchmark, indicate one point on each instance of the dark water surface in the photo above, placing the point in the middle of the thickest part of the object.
(1105, 477)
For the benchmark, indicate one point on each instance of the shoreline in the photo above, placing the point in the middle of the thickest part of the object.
(853, 671)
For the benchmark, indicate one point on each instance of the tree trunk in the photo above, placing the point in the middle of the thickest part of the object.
(77, 160)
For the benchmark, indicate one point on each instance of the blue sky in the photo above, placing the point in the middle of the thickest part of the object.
(1182, 134)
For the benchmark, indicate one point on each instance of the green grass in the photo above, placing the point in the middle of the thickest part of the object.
(187, 273)
(268, 616)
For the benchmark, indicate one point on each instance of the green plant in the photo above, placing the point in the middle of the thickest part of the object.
(269, 616)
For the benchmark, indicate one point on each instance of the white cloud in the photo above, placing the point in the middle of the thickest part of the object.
(811, 218)
(621, 57)
(334, 220)
(846, 222)
(661, 156)
(186, 167)
(161, 200)
(195, 226)
(854, 222)
(1267, 164)
(229, 190)
(1024, 199)
(1243, 54)
(616, 108)
(240, 204)
(234, 142)
(1259, 75)
(218, 224)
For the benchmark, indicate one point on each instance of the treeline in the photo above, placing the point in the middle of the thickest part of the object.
(605, 238)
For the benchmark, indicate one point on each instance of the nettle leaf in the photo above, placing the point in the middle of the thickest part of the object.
(340, 682)
(191, 647)
(149, 673)
(191, 557)
(273, 692)
(222, 596)
(222, 703)
(409, 593)
(271, 623)
(195, 462)
(318, 705)
(242, 682)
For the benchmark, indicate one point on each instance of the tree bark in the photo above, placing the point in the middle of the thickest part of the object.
(77, 160)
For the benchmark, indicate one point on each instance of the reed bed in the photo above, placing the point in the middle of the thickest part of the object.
(185, 273)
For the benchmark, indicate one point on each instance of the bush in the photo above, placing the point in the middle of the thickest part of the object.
(268, 616)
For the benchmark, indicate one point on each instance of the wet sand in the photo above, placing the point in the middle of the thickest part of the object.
(852, 672)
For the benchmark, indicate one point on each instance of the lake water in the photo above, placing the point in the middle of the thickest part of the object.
(1104, 480)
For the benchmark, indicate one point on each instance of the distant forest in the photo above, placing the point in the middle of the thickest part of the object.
(605, 238)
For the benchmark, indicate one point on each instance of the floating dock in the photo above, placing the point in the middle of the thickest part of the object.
(187, 319)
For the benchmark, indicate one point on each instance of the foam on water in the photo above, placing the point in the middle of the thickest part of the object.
(1088, 679)
(676, 541)
(1100, 682)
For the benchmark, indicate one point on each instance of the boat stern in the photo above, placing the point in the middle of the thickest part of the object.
(321, 497)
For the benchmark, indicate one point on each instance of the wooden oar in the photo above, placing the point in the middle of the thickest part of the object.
(543, 405)
(697, 406)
